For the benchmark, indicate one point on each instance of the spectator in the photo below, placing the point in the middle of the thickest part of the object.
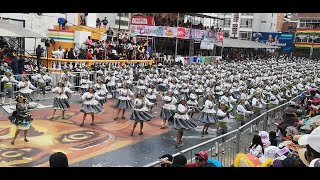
(273, 138)
(57, 54)
(71, 54)
(256, 148)
(62, 23)
(89, 42)
(265, 138)
(39, 52)
(169, 159)
(105, 22)
(65, 55)
(178, 161)
(14, 65)
(312, 150)
(90, 54)
(201, 160)
(98, 23)
(58, 159)
(21, 63)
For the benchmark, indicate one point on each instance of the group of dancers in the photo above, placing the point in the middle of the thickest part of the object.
(219, 93)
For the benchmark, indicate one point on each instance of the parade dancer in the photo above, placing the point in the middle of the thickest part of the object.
(192, 104)
(111, 85)
(168, 109)
(181, 121)
(90, 104)
(26, 88)
(8, 81)
(101, 90)
(242, 112)
(42, 79)
(151, 96)
(140, 112)
(208, 115)
(223, 117)
(21, 117)
(60, 100)
(124, 101)
(84, 83)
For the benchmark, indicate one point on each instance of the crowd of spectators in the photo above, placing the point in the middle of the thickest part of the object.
(17, 64)
(167, 21)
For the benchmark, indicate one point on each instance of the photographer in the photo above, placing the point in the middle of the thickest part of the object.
(39, 52)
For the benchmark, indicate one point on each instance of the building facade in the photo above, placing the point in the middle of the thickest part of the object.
(307, 41)
(37, 22)
(241, 25)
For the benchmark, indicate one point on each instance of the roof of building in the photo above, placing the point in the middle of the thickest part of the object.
(10, 30)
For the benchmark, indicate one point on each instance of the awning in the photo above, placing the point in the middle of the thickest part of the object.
(10, 30)
(237, 43)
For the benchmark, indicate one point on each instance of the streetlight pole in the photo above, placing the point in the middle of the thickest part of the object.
(176, 50)
(311, 48)
(224, 21)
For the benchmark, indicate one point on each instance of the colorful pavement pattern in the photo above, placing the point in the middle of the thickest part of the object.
(78, 143)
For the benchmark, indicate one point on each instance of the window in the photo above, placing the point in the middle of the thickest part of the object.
(122, 22)
(302, 25)
(244, 35)
(226, 34)
(246, 23)
(263, 21)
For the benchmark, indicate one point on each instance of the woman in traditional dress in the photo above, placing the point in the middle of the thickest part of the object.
(8, 82)
(208, 115)
(181, 121)
(124, 101)
(26, 88)
(101, 90)
(60, 100)
(140, 112)
(21, 117)
(168, 109)
(242, 112)
(90, 104)
(84, 84)
(152, 96)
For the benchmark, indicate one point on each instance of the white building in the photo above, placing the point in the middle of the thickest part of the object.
(37, 22)
(114, 18)
(241, 25)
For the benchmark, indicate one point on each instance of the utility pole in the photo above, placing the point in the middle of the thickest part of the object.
(311, 48)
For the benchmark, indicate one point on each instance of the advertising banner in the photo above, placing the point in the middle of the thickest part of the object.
(157, 31)
(142, 20)
(183, 33)
(283, 40)
(207, 45)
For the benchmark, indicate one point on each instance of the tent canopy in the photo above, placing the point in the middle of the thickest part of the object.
(10, 30)
(237, 43)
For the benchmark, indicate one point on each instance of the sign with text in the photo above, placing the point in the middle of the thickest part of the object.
(142, 20)
(283, 40)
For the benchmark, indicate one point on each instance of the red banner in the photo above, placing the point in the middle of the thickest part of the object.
(183, 33)
(142, 20)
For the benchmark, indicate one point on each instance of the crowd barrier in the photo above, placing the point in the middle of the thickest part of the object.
(225, 147)
(54, 64)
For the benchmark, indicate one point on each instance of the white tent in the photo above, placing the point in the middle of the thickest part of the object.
(237, 43)
(10, 30)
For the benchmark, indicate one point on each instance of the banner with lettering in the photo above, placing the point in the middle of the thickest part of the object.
(157, 31)
(283, 40)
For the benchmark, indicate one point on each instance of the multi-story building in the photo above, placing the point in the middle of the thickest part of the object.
(307, 41)
(37, 22)
(241, 25)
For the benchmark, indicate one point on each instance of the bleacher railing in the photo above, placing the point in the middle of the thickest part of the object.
(225, 147)
(49, 62)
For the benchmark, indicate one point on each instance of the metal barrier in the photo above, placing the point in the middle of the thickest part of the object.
(225, 148)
